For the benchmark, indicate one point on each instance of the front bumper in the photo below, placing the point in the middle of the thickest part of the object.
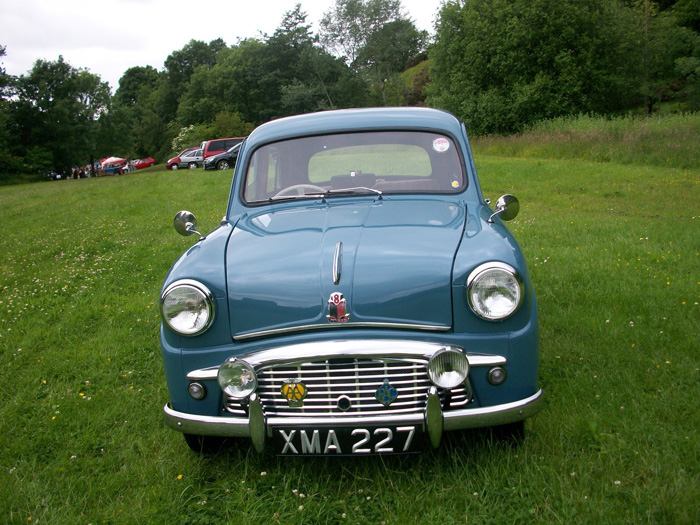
(434, 420)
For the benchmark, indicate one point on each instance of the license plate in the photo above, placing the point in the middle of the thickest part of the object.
(332, 441)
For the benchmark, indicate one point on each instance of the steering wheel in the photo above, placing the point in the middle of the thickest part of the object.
(300, 189)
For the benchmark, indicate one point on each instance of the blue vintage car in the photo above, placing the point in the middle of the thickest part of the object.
(359, 297)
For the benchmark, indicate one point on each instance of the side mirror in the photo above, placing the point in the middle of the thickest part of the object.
(185, 223)
(507, 207)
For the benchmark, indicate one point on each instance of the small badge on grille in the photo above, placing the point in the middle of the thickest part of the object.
(386, 394)
(337, 308)
(294, 391)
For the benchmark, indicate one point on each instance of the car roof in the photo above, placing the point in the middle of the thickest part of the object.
(365, 119)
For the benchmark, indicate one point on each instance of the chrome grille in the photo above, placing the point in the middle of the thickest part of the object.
(355, 379)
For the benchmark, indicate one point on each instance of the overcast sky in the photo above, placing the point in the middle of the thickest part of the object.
(110, 36)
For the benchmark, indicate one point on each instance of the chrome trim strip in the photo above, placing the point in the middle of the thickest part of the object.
(203, 374)
(389, 349)
(367, 348)
(453, 419)
(335, 326)
(485, 360)
(337, 263)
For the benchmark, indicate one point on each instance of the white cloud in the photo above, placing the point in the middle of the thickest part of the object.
(109, 36)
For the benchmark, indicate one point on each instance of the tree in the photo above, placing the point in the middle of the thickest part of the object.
(8, 161)
(664, 54)
(258, 80)
(501, 64)
(375, 38)
(56, 108)
(179, 68)
(136, 82)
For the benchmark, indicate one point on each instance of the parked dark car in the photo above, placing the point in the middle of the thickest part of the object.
(359, 297)
(223, 161)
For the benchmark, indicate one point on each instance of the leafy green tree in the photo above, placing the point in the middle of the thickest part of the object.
(57, 108)
(258, 80)
(179, 68)
(664, 54)
(687, 13)
(9, 163)
(501, 64)
(136, 83)
(375, 38)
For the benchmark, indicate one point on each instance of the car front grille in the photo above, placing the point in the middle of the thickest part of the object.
(348, 387)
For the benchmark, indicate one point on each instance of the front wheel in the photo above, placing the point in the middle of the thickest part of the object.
(192, 165)
(222, 165)
(511, 433)
(205, 444)
(174, 167)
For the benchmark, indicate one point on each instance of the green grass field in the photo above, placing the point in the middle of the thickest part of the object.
(614, 252)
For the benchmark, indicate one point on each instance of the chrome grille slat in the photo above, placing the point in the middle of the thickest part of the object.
(357, 395)
(357, 379)
(309, 378)
(314, 370)
(373, 385)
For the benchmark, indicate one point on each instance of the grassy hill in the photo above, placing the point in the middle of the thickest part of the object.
(613, 249)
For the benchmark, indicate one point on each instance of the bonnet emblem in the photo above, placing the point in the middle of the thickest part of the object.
(337, 308)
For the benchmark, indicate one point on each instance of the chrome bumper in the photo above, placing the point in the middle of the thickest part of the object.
(435, 420)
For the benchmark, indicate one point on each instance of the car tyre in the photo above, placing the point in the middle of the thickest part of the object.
(222, 165)
(205, 444)
(174, 167)
(192, 165)
(510, 434)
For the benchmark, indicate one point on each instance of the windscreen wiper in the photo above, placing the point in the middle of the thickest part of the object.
(324, 194)
(353, 191)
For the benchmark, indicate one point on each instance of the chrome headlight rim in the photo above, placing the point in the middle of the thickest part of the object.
(224, 384)
(481, 271)
(464, 362)
(208, 300)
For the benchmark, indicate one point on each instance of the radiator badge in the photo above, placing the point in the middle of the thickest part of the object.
(294, 391)
(386, 394)
(337, 309)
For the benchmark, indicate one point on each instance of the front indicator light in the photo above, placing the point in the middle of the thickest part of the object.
(197, 391)
(448, 368)
(494, 291)
(237, 378)
(496, 375)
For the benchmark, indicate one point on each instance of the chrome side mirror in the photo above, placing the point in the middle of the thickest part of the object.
(185, 223)
(507, 207)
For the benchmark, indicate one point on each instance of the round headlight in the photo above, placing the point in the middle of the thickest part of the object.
(237, 378)
(187, 307)
(494, 291)
(448, 368)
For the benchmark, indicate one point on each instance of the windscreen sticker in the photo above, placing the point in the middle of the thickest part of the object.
(441, 145)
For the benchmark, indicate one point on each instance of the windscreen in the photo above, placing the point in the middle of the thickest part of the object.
(386, 162)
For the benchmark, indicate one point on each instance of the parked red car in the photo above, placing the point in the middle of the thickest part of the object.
(216, 146)
(144, 163)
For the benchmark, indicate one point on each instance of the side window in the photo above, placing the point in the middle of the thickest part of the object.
(263, 174)
(217, 145)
